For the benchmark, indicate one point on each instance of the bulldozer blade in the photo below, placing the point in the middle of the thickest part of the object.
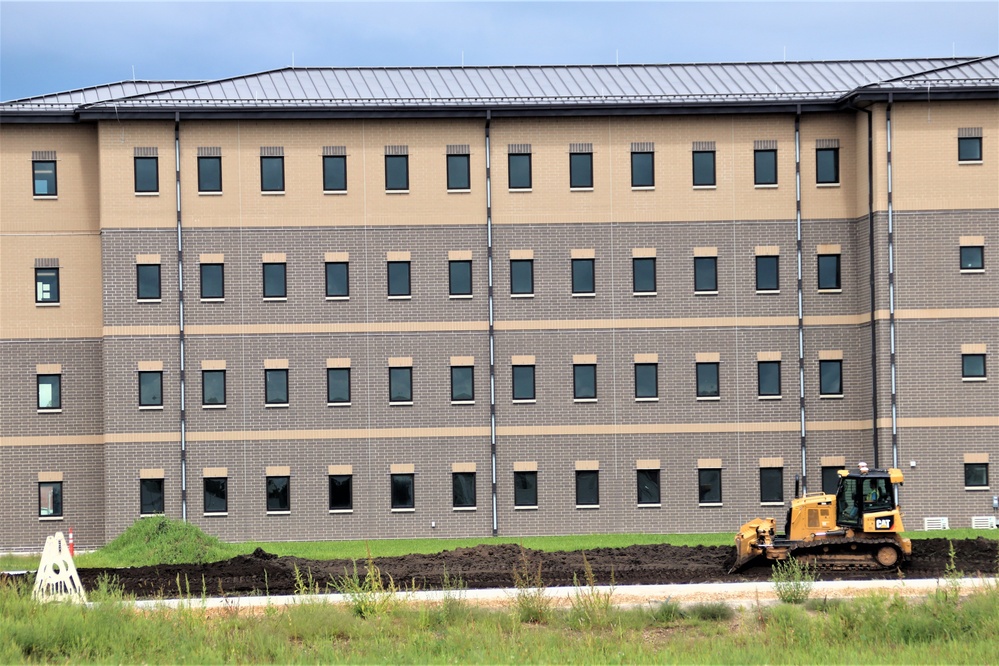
(743, 561)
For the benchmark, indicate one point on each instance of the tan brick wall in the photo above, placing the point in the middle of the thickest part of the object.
(121, 207)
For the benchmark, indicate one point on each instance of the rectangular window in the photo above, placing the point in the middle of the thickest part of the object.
(765, 167)
(827, 166)
(648, 486)
(398, 278)
(275, 280)
(49, 391)
(402, 491)
(459, 278)
(150, 496)
(338, 386)
(767, 274)
(522, 276)
(707, 380)
(523, 382)
(831, 378)
(771, 484)
(216, 495)
(341, 492)
(50, 499)
(829, 271)
(706, 274)
(463, 490)
(272, 174)
(582, 277)
(276, 387)
(401, 385)
(458, 172)
(642, 170)
(397, 172)
(147, 174)
(976, 475)
(709, 486)
(969, 149)
(525, 489)
(43, 178)
(520, 171)
(704, 168)
(148, 282)
(587, 487)
(151, 389)
(646, 380)
(213, 387)
(278, 493)
(973, 366)
(768, 378)
(337, 279)
(212, 281)
(643, 275)
(830, 480)
(972, 258)
(462, 384)
(584, 382)
(580, 170)
(210, 174)
(46, 285)
(334, 173)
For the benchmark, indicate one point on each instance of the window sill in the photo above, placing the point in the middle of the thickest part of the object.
(462, 402)
(830, 291)
(769, 397)
(151, 515)
(460, 297)
(279, 513)
(826, 184)
(55, 304)
(589, 294)
(708, 398)
(973, 488)
(765, 186)
(465, 508)
(338, 404)
(282, 405)
(581, 189)
(649, 506)
(334, 192)
(524, 402)
(147, 194)
(972, 270)
(705, 293)
(709, 504)
(275, 299)
(767, 292)
(645, 293)
(968, 162)
(209, 194)
(831, 397)
(771, 504)
(50, 411)
(643, 188)
(151, 408)
(273, 193)
(466, 190)
(213, 406)
(401, 404)
(584, 399)
(525, 508)
(514, 190)
(338, 298)
(705, 187)
(213, 300)
(45, 197)
(646, 399)
(411, 510)
(396, 191)
(215, 514)
(521, 295)
(587, 506)
(341, 511)
(149, 300)
(974, 379)
(49, 519)
(400, 298)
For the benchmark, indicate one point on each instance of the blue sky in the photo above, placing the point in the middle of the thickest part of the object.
(52, 46)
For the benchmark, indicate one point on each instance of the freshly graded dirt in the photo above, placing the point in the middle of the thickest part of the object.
(490, 566)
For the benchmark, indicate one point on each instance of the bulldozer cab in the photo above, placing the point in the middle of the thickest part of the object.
(863, 494)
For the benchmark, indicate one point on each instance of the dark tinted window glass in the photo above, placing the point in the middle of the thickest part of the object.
(460, 278)
(463, 489)
(525, 488)
(707, 380)
(768, 376)
(646, 380)
(147, 176)
(276, 387)
(150, 496)
(830, 479)
(582, 276)
(278, 493)
(275, 281)
(521, 276)
(46, 285)
(213, 387)
(523, 382)
(580, 169)
(49, 391)
(520, 171)
(148, 278)
(216, 495)
(212, 281)
(765, 167)
(457, 172)
(772, 484)
(462, 383)
(337, 279)
(705, 273)
(272, 174)
(827, 165)
(704, 167)
(398, 278)
(209, 174)
(334, 173)
(648, 486)
(587, 488)
(341, 492)
(402, 491)
(976, 475)
(337, 385)
(643, 273)
(973, 365)
(397, 172)
(400, 385)
(43, 178)
(767, 276)
(972, 258)
(829, 277)
(151, 389)
(969, 149)
(50, 499)
(831, 377)
(709, 486)
(584, 382)
(642, 170)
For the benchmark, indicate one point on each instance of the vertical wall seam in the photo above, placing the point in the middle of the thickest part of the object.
(180, 317)
(801, 320)
(492, 330)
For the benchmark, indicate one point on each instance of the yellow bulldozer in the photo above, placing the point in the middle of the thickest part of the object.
(860, 527)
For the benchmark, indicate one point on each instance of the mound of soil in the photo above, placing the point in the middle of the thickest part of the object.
(492, 566)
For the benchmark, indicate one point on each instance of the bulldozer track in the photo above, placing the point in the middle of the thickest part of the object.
(845, 554)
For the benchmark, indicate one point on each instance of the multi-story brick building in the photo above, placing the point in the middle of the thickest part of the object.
(364, 303)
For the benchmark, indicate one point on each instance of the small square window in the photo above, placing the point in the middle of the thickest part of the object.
(587, 488)
(523, 382)
(402, 491)
(648, 486)
(767, 273)
(147, 174)
(49, 391)
(43, 178)
(772, 484)
(706, 274)
(212, 281)
(213, 387)
(334, 173)
(642, 170)
(458, 177)
(643, 275)
(520, 171)
(972, 258)
(976, 475)
(398, 278)
(525, 489)
(765, 167)
(148, 282)
(46, 285)
(830, 480)
(973, 366)
(582, 276)
(831, 378)
(337, 386)
(584, 382)
(272, 174)
(827, 166)
(969, 149)
(150, 496)
(459, 278)
(216, 495)
(709, 490)
(580, 170)
(151, 389)
(275, 280)
(276, 387)
(704, 168)
(462, 384)
(522, 276)
(707, 380)
(209, 174)
(278, 493)
(463, 490)
(829, 271)
(337, 279)
(50, 499)
(341, 492)
(401, 385)
(768, 378)
(646, 380)
(397, 172)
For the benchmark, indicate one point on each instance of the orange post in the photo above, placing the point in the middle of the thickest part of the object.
(71, 549)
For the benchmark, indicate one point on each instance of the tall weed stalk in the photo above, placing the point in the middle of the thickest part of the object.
(532, 601)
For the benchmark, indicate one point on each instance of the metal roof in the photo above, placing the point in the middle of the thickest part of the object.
(70, 99)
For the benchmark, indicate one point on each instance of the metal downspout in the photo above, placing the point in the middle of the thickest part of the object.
(891, 294)
(492, 343)
(801, 320)
(180, 310)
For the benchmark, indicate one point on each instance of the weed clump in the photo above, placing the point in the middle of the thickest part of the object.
(159, 540)
(717, 611)
(452, 608)
(792, 581)
(532, 602)
(369, 596)
(591, 607)
(668, 611)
